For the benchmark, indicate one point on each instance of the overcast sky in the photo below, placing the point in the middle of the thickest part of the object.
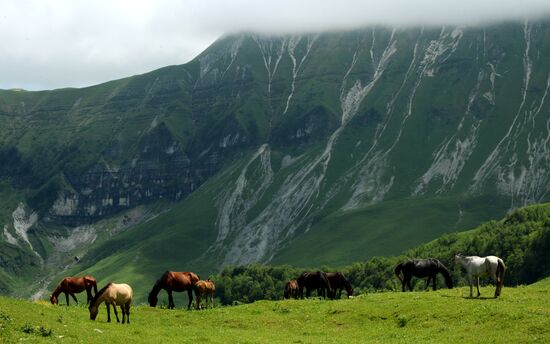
(48, 44)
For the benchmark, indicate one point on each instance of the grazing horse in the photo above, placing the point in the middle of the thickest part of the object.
(338, 282)
(422, 268)
(292, 289)
(314, 281)
(476, 267)
(206, 289)
(174, 281)
(72, 285)
(115, 295)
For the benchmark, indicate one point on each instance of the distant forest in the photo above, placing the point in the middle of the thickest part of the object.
(522, 239)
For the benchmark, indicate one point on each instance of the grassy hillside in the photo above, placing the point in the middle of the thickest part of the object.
(520, 315)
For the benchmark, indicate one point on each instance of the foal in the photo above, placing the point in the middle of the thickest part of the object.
(206, 289)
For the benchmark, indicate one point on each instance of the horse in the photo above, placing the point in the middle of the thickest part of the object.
(476, 267)
(338, 282)
(113, 294)
(314, 281)
(72, 285)
(174, 281)
(291, 289)
(421, 268)
(206, 289)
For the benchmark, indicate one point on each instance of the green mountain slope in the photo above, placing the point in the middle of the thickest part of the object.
(324, 148)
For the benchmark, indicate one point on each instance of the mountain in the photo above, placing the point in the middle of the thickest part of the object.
(309, 149)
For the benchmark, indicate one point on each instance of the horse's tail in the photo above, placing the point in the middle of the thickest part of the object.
(501, 268)
(397, 271)
(95, 287)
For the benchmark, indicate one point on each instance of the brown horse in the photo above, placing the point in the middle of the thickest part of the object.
(338, 282)
(72, 285)
(206, 289)
(174, 281)
(292, 289)
(314, 281)
(113, 295)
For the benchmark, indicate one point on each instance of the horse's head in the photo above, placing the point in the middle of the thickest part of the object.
(153, 300)
(53, 299)
(457, 257)
(449, 282)
(349, 290)
(93, 312)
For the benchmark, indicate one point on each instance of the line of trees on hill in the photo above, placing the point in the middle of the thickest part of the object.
(522, 239)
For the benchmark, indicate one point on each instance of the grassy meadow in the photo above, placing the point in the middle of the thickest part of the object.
(446, 316)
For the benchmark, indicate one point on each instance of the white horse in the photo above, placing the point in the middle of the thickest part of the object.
(113, 294)
(476, 267)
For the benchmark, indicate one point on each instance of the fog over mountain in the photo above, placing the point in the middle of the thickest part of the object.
(53, 44)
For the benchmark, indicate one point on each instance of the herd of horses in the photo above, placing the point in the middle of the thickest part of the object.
(327, 284)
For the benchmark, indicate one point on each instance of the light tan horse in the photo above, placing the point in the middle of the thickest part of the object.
(205, 289)
(115, 295)
(292, 290)
(74, 285)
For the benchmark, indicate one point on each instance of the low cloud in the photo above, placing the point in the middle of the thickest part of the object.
(60, 43)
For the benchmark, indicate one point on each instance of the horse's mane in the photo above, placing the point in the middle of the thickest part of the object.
(158, 284)
(347, 284)
(57, 290)
(99, 293)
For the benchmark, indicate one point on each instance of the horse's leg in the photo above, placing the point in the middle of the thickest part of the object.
(74, 298)
(67, 297)
(428, 282)
(470, 278)
(171, 304)
(88, 294)
(198, 301)
(190, 296)
(128, 313)
(497, 290)
(409, 283)
(477, 284)
(123, 313)
(433, 282)
(116, 313)
(108, 312)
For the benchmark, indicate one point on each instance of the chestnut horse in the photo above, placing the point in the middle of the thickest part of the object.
(292, 289)
(338, 282)
(206, 289)
(72, 285)
(115, 295)
(174, 281)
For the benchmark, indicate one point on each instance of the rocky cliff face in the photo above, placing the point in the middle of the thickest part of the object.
(319, 137)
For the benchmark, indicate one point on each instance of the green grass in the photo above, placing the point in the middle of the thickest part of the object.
(445, 316)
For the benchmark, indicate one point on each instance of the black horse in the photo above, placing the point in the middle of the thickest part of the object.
(422, 268)
(314, 281)
(338, 282)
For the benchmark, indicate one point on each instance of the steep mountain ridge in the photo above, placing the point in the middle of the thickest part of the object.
(324, 148)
